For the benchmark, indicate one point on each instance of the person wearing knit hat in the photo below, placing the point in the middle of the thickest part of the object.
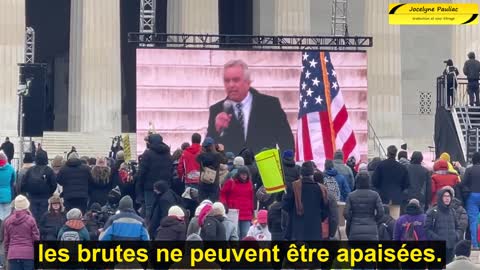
(52, 220)
(307, 169)
(172, 227)
(128, 225)
(210, 221)
(102, 182)
(165, 198)
(20, 231)
(94, 221)
(260, 229)
(7, 178)
(27, 164)
(57, 163)
(460, 212)
(74, 229)
(342, 168)
(230, 228)
(415, 217)
(193, 226)
(237, 163)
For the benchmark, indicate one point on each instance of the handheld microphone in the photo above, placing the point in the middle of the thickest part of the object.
(227, 107)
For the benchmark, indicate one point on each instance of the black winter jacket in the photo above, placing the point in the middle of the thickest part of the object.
(332, 215)
(391, 181)
(39, 188)
(156, 164)
(171, 229)
(291, 171)
(213, 229)
(362, 210)
(162, 203)
(49, 225)
(460, 215)
(101, 184)
(471, 69)
(441, 224)
(74, 178)
(420, 183)
(471, 178)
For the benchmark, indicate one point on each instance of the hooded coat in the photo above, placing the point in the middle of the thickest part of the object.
(156, 164)
(213, 229)
(51, 222)
(236, 194)
(291, 171)
(362, 210)
(339, 165)
(188, 163)
(416, 217)
(441, 224)
(420, 184)
(20, 233)
(163, 201)
(171, 229)
(7, 180)
(44, 188)
(101, 184)
(442, 178)
(74, 177)
(342, 182)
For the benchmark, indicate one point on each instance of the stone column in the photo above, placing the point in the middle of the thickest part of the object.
(192, 17)
(292, 17)
(94, 81)
(466, 38)
(12, 40)
(384, 71)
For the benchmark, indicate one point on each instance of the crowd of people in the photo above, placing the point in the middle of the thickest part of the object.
(201, 192)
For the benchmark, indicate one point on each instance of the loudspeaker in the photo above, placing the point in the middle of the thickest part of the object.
(33, 78)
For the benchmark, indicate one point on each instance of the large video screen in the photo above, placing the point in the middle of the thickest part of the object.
(312, 102)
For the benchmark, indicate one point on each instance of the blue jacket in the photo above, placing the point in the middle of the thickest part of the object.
(342, 183)
(7, 181)
(124, 226)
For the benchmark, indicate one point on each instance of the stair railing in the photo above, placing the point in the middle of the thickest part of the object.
(377, 144)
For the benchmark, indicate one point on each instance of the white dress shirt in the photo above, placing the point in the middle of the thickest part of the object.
(246, 109)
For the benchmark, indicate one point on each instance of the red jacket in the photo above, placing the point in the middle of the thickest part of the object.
(237, 195)
(441, 178)
(188, 164)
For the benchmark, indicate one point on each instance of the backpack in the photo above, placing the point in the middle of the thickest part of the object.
(332, 187)
(410, 234)
(70, 235)
(384, 232)
(37, 177)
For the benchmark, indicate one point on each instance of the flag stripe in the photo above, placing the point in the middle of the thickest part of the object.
(316, 135)
(340, 120)
(300, 140)
(328, 96)
(348, 146)
(307, 146)
(326, 132)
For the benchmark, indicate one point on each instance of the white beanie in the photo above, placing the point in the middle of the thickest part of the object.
(74, 213)
(200, 207)
(218, 209)
(21, 203)
(238, 161)
(176, 211)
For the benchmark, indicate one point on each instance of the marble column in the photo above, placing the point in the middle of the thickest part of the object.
(466, 38)
(94, 80)
(192, 17)
(12, 40)
(292, 17)
(384, 71)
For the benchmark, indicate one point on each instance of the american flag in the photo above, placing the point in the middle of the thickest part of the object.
(323, 125)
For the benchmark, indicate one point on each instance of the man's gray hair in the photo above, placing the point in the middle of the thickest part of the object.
(239, 63)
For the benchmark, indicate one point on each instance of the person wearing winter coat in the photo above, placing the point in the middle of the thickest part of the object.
(211, 159)
(460, 213)
(462, 257)
(372, 166)
(451, 169)
(172, 227)
(57, 164)
(291, 170)
(249, 159)
(164, 199)
(403, 158)
(386, 225)
(102, 182)
(362, 210)
(155, 165)
(74, 229)
(332, 210)
(230, 228)
(193, 226)
(9, 149)
(39, 184)
(343, 185)
(471, 181)
(441, 224)
(471, 69)
(414, 217)
(7, 182)
(342, 169)
(277, 218)
(111, 207)
(237, 193)
(27, 164)
(126, 225)
(52, 220)
(211, 223)
(259, 230)
(442, 178)
(391, 181)
(420, 180)
(20, 231)
(75, 178)
(305, 204)
(94, 221)
(188, 168)
(237, 163)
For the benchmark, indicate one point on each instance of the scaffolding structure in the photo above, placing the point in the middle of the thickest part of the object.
(339, 18)
(147, 21)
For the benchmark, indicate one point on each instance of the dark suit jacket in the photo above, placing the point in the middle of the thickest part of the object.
(267, 126)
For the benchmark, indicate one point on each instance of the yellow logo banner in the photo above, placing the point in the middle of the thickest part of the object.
(432, 14)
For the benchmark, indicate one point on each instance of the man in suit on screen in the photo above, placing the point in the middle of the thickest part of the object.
(247, 118)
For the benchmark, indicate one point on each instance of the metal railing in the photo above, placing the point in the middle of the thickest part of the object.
(377, 144)
(472, 139)
(460, 96)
